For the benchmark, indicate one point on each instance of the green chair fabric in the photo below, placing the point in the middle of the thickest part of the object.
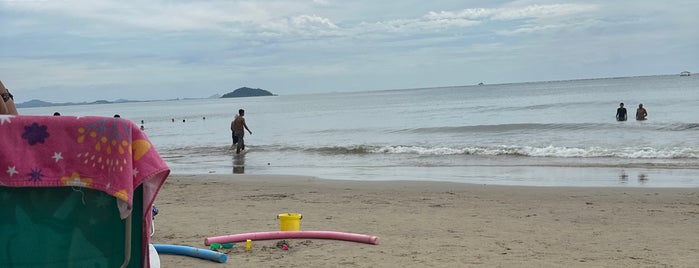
(68, 227)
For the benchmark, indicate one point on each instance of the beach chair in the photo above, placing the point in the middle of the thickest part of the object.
(76, 192)
(57, 227)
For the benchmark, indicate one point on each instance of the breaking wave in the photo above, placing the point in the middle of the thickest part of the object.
(525, 151)
(544, 127)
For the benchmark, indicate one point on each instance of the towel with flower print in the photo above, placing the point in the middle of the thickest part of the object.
(104, 153)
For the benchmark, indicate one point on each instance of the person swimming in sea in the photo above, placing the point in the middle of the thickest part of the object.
(641, 112)
(621, 113)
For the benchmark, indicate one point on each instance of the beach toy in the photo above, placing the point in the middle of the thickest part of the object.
(217, 246)
(289, 221)
(248, 245)
(293, 234)
(191, 251)
(283, 245)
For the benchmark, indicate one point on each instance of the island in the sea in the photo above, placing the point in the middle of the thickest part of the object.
(241, 92)
(40, 103)
(247, 92)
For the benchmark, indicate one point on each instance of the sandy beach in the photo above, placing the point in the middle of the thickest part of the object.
(430, 224)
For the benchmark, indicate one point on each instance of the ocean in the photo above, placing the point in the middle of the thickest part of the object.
(558, 133)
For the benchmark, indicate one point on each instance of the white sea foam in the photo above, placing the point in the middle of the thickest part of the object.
(548, 151)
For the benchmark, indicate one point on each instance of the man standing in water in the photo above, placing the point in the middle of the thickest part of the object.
(641, 112)
(621, 113)
(238, 128)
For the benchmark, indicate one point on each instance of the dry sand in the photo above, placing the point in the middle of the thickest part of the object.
(429, 224)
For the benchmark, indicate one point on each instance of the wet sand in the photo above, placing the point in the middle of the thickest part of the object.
(430, 224)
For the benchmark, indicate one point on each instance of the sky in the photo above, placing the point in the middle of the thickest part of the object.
(87, 50)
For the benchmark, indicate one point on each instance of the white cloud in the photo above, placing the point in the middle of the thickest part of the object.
(417, 26)
(470, 14)
(542, 11)
(527, 29)
(284, 21)
(512, 13)
(312, 21)
(277, 18)
(446, 20)
(299, 26)
(152, 15)
(92, 44)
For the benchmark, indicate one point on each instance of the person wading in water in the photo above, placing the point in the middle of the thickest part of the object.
(238, 128)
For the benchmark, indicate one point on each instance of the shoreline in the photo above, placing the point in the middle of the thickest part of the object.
(526, 176)
(436, 224)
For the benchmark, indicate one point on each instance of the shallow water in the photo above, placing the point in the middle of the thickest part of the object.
(544, 134)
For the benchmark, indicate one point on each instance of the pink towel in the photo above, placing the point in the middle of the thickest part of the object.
(108, 154)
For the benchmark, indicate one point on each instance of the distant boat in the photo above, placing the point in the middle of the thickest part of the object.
(685, 73)
(480, 84)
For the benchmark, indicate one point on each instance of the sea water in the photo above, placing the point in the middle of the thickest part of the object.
(559, 133)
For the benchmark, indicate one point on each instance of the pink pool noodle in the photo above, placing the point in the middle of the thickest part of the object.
(293, 234)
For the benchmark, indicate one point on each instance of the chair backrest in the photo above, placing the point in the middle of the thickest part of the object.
(61, 178)
(68, 227)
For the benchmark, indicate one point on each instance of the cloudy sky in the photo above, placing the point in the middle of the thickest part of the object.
(85, 50)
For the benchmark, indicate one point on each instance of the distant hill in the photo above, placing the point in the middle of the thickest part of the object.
(34, 103)
(241, 92)
(247, 92)
(40, 103)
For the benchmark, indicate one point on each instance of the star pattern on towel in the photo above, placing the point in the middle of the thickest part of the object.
(35, 175)
(135, 172)
(57, 156)
(12, 170)
(5, 118)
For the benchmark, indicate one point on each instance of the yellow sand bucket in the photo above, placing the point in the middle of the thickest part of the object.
(289, 221)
